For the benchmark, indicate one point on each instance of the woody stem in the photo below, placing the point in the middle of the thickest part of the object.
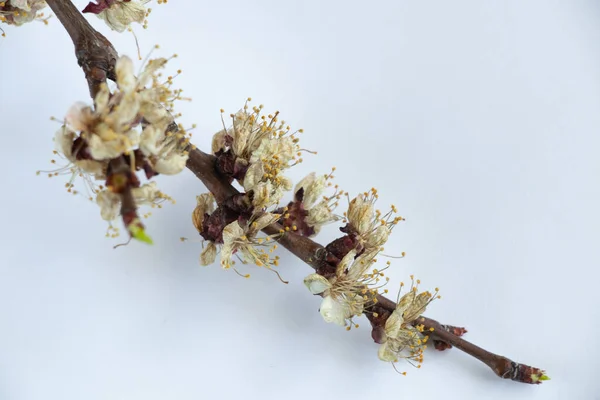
(95, 54)
(97, 57)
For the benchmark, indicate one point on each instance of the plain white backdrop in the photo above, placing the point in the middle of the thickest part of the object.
(479, 120)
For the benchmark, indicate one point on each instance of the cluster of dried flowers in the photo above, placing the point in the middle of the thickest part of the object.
(256, 151)
(129, 130)
(132, 129)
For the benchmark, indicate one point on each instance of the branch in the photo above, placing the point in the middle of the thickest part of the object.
(96, 55)
(314, 255)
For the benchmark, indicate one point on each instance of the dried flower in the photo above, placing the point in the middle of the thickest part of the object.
(243, 239)
(119, 14)
(368, 226)
(346, 292)
(256, 150)
(400, 334)
(19, 12)
(134, 126)
(304, 215)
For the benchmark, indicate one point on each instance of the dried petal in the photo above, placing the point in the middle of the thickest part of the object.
(125, 77)
(394, 324)
(386, 352)
(313, 188)
(417, 306)
(253, 176)
(173, 164)
(263, 221)
(109, 203)
(209, 254)
(345, 263)
(335, 312)
(316, 283)
(218, 141)
(121, 13)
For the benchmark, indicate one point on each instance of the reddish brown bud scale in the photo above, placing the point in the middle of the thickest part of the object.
(441, 345)
(94, 8)
(521, 373)
(455, 330)
(296, 216)
(378, 317)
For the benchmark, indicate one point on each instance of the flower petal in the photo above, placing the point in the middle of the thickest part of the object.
(110, 205)
(253, 176)
(393, 324)
(386, 353)
(316, 283)
(263, 221)
(345, 263)
(334, 312)
(125, 77)
(209, 254)
(63, 141)
(173, 164)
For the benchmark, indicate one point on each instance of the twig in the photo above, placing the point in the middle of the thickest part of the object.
(96, 55)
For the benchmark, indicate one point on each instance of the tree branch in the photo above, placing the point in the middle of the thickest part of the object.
(96, 55)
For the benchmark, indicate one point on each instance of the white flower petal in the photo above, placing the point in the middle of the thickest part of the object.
(320, 215)
(386, 353)
(263, 221)
(231, 234)
(173, 164)
(110, 205)
(313, 188)
(394, 324)
(78, 116)
(150, 70)
(95, 168)
(149, 139)
(105, 150)
(334, 312)
(253, 175)
(361, 214)
(345, 263)
(240, 138)
(218, 141)
(209, 254)
(262, 195)
(316, 283)
(120, 14)
(378, 237)
(205, 204)
(63, 141)
(146, 194)
(125, 77)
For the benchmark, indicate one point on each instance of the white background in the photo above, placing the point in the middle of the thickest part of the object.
(479, 120)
